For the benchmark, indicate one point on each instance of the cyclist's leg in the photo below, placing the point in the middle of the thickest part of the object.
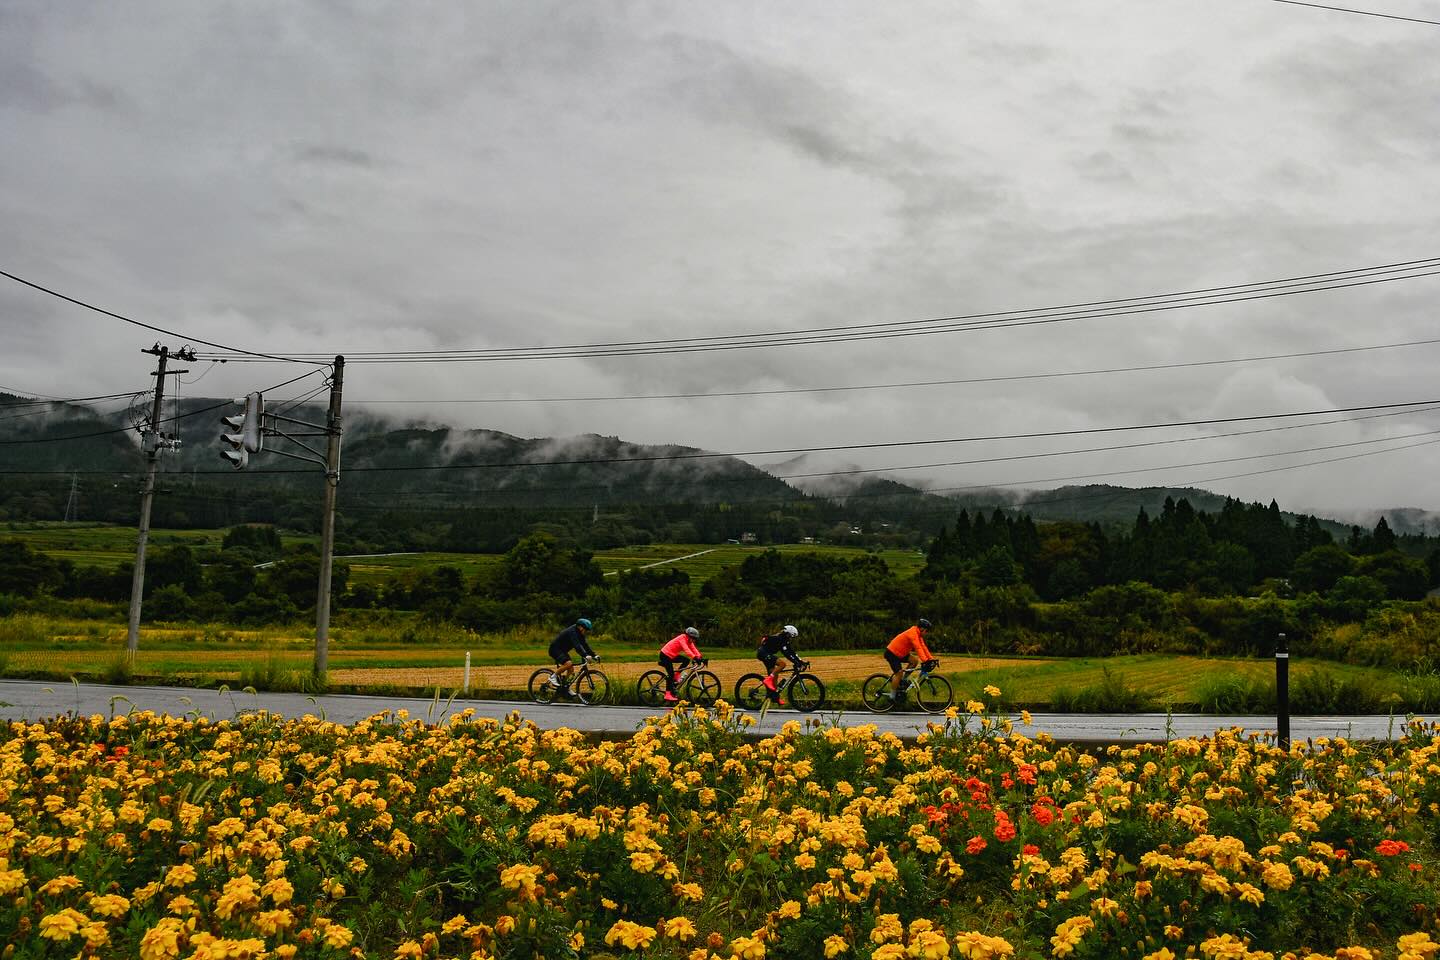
(778, 667)
(897, 670)
(668, 665)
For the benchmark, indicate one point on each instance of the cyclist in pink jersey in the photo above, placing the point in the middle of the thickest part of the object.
(676, 655)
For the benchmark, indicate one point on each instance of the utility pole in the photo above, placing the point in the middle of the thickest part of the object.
(151, 441)
(70, 501)
(327, 523)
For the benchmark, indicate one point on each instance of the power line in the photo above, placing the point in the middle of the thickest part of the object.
(888, 444)
(45, 401)
(141, 323)
(1363, 13)
(118, 430)
(1384, 273)
(920, 383)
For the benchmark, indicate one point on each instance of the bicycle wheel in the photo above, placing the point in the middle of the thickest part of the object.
(650, 688)
(750, 691)
(933, 694)
(540, 688)
(806, 693)
(703, 688)
(592, 686)
(876, 693)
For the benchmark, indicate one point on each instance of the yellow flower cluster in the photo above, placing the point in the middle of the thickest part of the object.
(259, 838)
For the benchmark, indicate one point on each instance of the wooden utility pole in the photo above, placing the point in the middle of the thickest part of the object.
(327, 527)
(151, 441)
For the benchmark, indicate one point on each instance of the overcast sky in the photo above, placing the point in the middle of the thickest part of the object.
(345, 177)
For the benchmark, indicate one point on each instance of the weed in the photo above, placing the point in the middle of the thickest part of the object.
(120, 671)
(1111, 695)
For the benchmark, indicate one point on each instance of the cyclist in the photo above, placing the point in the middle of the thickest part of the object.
(770, 651)
(571, 638)
(676, 655)
(908, 647)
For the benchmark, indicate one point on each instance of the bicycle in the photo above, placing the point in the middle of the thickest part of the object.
(587, 685)
(803, 691)
(694, 683)
(932, 691)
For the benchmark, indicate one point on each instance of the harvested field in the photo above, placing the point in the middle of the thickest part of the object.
(828, 668)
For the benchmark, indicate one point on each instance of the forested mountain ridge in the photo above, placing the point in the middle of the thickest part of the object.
(491, 487)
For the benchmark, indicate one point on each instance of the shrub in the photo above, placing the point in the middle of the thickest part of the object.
(1111, 695)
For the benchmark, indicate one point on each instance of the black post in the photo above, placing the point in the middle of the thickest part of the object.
(1282, 691)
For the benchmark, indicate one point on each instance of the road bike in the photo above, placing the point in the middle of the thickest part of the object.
(932, 691)
(588, 684)
(801, 690)
(694, 684)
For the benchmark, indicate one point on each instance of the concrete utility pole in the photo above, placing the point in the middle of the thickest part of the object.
(151, 440)
(327, 528)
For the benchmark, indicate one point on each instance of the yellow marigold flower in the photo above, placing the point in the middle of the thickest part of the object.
(1277, 876)
(1250, 893)
(992, 690)
(504, 924)
(631, 936)
(929, 945)
(1069, 933)
(11, 881)
(59, 885)
(887, 927)
(109, 905)
(1025, 718)
(63, 925)
(789, 910)
(974, 706)
(271, 922)
(279, 890)
(409, 950)
(1164, 953)
(679, 928)
(835, 945)
(457, 922)
(162, 941)
(889, 951)
(240, 893)
(1173, 932)
(977, 946)
(338, 936)
(180, 875)
(1224, 947)
(642, 862)
(1417, 946)
(747, 948)
(180, 905)
(1354, 953)
(357, 865)
(522, 876)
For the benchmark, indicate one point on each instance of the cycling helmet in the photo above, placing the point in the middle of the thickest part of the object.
(923, 624)
(790, 631)
(582, 622)
(692, 633)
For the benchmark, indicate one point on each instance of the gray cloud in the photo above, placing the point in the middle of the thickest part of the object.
(331, 177)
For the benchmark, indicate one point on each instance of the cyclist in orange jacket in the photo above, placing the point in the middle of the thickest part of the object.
(908, 647)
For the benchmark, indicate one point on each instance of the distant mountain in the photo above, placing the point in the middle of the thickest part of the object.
(490, 469)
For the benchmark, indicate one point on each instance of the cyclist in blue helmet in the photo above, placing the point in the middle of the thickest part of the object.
(571, 638)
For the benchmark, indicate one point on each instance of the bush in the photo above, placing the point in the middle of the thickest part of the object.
(1230, 693)
(120, 671)
(1111, 695)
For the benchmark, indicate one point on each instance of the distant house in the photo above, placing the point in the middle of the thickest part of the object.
(807, 539)
(856, 530)
(748, 537)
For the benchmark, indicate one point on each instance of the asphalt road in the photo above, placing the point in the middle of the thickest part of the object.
(37, 700)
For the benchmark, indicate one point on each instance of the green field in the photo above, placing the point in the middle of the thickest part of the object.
(713, 558)
(109, 546)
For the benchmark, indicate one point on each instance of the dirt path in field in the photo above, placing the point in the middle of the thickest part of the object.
(845, 667)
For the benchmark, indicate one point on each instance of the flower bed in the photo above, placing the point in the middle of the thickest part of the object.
(167, 838)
